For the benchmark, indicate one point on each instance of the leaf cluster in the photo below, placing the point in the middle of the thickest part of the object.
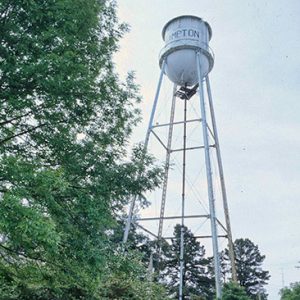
(232, 291)
(291, 293)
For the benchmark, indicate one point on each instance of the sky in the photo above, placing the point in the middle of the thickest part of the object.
(255, 86)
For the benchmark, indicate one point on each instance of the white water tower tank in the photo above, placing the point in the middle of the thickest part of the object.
(184, 36)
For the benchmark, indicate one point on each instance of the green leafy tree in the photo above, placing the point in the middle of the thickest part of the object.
(249, 262)
(137, 241)
(232, 291)
(291, 293)
(122, 283)
(196, 277)
(65, 120)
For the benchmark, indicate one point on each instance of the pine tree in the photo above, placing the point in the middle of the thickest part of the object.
(249, 262)
(65, 122)
(197, 281)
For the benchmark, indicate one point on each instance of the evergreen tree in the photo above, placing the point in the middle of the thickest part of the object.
(196, 278)
(65, 121)
(225, 267)
(291, 293)
(232, 291)
(249, 262)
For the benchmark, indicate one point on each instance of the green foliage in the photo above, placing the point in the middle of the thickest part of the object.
(121, 283)
(291, 293)
(198, 281)
(65, 121)
(232, 291)
(249, 262)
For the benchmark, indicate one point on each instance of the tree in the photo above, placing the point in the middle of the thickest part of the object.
(197, 281)
(291, 293)
(225, 268)
(232, 291)
(249, 262)
(65, 122)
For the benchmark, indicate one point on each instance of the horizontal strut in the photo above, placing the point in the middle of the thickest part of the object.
(191, 148)
(178, 217)
(197, 237)
(176, 123)
(172, 217)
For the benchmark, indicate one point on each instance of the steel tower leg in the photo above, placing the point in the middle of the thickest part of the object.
(132, 204)
(181, 294)
(211, 199)
(167, 166)
(150, 124)
(222, 180)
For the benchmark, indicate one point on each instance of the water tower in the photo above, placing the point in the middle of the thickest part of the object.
(186, 59)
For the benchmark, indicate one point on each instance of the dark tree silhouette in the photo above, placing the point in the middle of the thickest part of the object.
(197, 278)
(249, 262)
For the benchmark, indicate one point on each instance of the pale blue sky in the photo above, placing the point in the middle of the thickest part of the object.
(255, 84)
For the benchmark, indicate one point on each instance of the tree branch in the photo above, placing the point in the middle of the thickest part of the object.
(15, 118)
(21, 133)
(27, 256)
